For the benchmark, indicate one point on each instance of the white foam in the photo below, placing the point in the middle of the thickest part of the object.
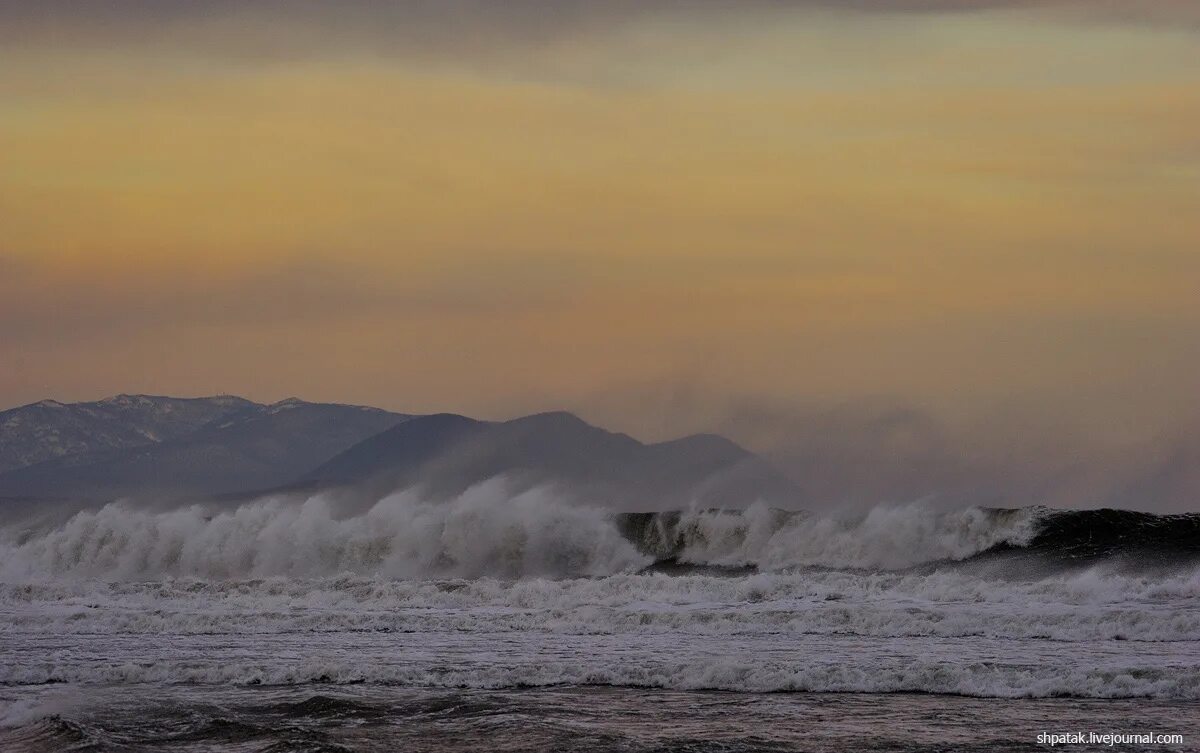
(887, 537)
(1085, 606)
(485, 531)
(494, 589)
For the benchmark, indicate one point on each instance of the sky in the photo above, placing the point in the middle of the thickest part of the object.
(665, 215)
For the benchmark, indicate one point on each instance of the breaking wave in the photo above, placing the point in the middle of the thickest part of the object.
(886, 538)
(482, 532)
(489, 531)
(504, 589)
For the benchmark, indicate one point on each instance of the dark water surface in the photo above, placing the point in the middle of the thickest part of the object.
(372, 718)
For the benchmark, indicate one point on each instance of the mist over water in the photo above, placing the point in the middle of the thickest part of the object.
(864, 451)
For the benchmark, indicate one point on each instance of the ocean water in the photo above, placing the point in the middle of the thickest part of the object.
(525, 624)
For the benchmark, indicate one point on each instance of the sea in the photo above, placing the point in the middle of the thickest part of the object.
(518, 622)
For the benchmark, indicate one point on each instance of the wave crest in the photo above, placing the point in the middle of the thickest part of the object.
(491, 530)
(482, 532)
(888, 538)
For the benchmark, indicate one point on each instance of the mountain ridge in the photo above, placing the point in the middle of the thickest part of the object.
(48, 429)
(446, 453)
(245, 447)
(234, 445)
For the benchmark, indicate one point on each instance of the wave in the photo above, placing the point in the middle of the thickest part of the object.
(898, 537)
(1089, 605)
(491, 531)
(980, 679)
(1091, 534)
(484, 531)
(51, 732)
(499, 589)
(888, 538)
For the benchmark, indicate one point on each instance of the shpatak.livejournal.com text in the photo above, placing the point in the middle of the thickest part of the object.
(1108, 738)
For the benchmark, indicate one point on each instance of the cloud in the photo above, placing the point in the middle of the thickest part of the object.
(444, 28)
(51, 304)
(855, 197)
(11, 266)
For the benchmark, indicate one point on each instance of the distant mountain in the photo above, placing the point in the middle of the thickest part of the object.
(137, 445)
(50, 429)
(400, 452)
(446, 453)
(234, 446)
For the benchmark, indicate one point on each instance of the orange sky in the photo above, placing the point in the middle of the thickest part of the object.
(497, 209)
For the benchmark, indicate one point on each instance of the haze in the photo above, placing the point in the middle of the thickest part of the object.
(666, 216)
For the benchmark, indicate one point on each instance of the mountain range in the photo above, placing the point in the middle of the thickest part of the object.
(446, 453)
(138, 445)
